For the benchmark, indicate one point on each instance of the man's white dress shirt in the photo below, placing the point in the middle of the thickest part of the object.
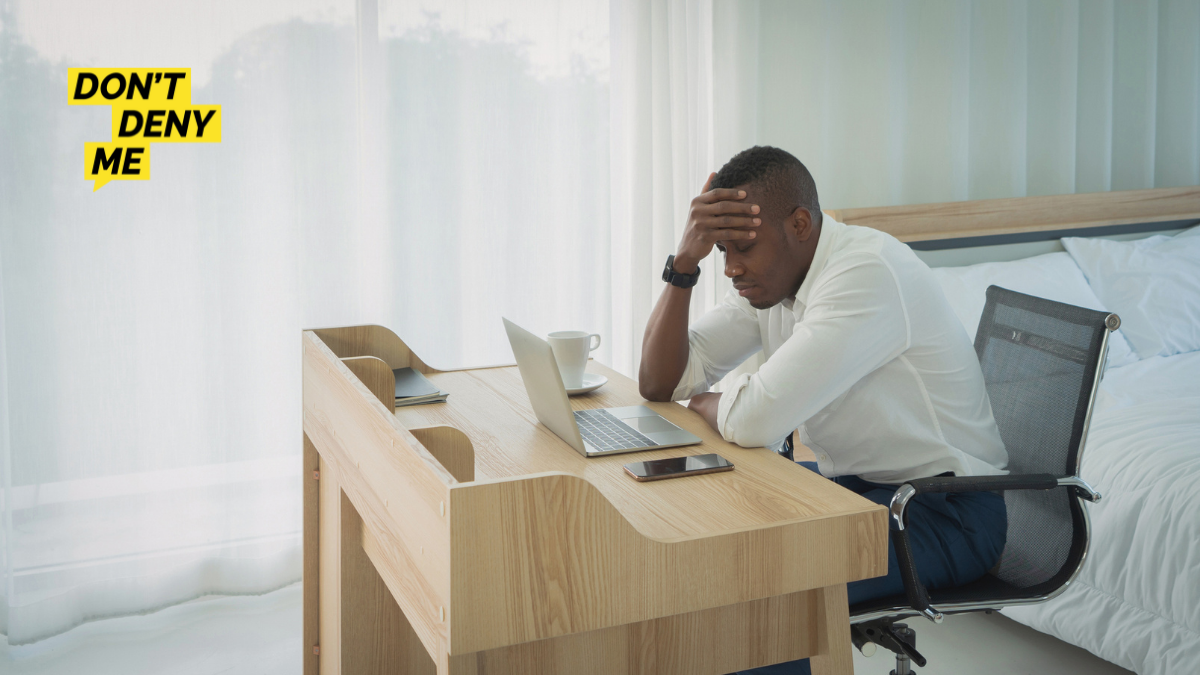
(868, 361)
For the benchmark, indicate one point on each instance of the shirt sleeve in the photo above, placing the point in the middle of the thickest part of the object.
(855, 322)
(718, 342)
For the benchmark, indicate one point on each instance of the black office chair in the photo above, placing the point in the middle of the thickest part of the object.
(1042, 363)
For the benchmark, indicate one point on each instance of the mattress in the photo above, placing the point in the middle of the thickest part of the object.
(1136, 601)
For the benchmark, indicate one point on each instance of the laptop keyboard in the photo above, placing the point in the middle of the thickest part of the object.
(603, 431)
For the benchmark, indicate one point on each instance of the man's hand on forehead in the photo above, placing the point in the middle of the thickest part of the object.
(720, 214)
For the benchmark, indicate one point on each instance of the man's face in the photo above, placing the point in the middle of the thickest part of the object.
(770, 267)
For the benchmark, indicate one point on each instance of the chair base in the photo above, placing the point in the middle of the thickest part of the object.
(895, 637)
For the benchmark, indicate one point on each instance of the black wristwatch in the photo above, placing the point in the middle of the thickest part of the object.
(678, 278)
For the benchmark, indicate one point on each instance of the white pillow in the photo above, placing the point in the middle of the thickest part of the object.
(1152, 283)
(1053, 276)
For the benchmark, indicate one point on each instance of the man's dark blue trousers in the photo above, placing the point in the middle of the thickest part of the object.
(955, 538)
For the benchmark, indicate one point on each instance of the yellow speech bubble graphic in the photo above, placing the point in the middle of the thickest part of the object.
(104, 162)
(147, 106)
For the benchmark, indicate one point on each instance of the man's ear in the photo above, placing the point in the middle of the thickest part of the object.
(801, 222)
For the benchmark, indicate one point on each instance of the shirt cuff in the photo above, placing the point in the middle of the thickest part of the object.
(727, 400)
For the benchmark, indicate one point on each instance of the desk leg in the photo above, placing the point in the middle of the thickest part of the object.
(311, 487)
(833, 633)
(362, 630)
(376, 637)
(329, 593)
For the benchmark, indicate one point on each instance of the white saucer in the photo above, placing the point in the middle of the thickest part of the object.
(591, 382)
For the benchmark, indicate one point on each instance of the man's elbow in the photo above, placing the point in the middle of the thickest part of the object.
(753, 433)
(753, 439)
(653, 393)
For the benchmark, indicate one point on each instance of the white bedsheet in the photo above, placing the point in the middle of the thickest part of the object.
(1136, 602)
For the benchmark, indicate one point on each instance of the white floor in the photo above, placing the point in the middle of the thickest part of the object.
(261, 636)
(252, 635)
(989, 644)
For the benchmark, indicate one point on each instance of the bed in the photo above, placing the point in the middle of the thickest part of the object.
(1136, 601)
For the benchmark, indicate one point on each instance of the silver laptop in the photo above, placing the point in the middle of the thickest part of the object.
(600, 431)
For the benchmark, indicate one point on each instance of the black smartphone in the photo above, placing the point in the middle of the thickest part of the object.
(674, 467)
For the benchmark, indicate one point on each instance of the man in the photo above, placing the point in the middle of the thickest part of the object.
(864, 357)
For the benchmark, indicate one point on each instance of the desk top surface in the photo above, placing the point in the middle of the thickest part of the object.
(765, 489)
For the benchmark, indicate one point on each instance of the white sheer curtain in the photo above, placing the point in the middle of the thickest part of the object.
(662, 153)
(943, 100)
(678, 113)
(151, 364)
(424, 165)
(493, 145)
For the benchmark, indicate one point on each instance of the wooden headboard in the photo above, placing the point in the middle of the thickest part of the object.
(992, 221)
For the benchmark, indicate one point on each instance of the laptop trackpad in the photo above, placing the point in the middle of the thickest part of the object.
(649, 425)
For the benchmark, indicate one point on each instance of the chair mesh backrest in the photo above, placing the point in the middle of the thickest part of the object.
(1039, 361)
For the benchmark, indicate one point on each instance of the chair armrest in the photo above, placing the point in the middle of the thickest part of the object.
(914, 590)
(1031, 481)
(1035, 481)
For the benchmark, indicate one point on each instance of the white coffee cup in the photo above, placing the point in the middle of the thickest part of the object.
(571, 349)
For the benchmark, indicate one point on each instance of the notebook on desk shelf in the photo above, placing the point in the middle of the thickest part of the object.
(412, 388)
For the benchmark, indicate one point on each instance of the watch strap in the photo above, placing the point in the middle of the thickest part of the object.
(678, 278)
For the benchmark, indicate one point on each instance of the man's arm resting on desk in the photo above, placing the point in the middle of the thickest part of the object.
(706, 404)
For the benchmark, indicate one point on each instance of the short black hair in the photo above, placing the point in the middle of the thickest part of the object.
(783, 178)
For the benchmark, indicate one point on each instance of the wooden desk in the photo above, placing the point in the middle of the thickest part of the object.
(466, 538)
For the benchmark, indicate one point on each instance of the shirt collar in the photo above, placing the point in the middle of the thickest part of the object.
(830, 229)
